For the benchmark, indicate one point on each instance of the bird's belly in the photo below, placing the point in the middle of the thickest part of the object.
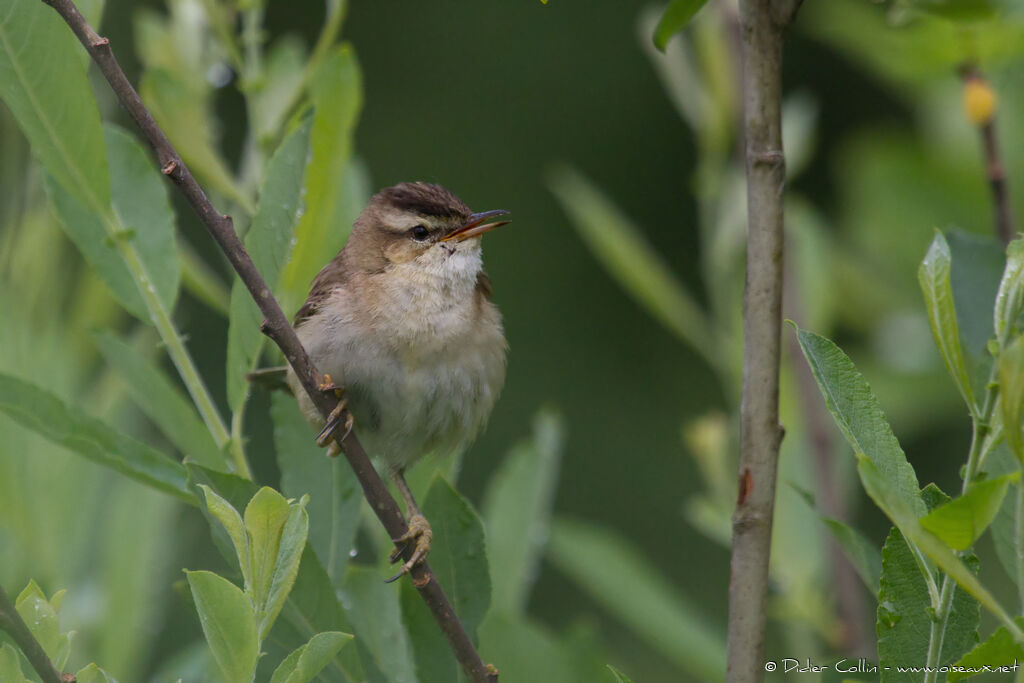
(407, 401)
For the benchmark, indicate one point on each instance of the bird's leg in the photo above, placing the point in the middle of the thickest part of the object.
(419, 529)
(337, 417)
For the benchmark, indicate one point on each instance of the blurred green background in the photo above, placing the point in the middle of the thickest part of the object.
(489, 99)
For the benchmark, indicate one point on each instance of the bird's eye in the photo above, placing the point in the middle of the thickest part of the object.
(420, 233)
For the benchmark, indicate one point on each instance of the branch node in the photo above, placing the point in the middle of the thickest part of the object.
(169, 167)
(770, 157)
(422, 581)
(100, 43)
(68, 678)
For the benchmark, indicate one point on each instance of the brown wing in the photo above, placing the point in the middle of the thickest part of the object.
(330, 277)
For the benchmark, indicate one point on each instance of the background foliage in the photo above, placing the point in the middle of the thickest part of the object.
(619, 281)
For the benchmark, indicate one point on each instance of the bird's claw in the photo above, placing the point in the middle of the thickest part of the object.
(420, 532)
(338, 416)
(327, 386)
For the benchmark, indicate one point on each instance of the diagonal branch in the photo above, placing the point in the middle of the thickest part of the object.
(276, 327)
(14, 625)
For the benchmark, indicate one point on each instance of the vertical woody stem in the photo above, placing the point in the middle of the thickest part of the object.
(762, 23)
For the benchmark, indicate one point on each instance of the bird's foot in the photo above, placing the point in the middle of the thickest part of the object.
(420, 532)
(338, 417)
(328, 386)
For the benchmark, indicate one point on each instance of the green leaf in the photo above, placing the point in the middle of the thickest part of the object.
(310, 659)
(1010, 297)
(334, 492)
(141, 220)
(10, 665)
(228, 623)
(904, 621)
(956, 10)
(505, 638)
(676, 16)
(203, 281)
(621, 248)
(336, 92)
(861, 552)
(268, 242)
(161, 401)
(960, 522)
(265, 517)
(286, 566)
(458, 558)
(882, 490)
(859, 417)
(40, 615)
(934, 278)
(373, 607)
(999, 649)
(280, 84)
(619, 676)
(93, 674)
(228, 516)
(517, 511)
(43, 82)
(601, 564)
(64, 425)
(1011, 395)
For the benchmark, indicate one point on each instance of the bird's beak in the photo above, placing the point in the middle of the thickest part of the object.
(476, 225)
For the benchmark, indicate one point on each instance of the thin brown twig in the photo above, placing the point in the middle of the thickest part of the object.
(276, 327)
(763, 23)
(14, 625)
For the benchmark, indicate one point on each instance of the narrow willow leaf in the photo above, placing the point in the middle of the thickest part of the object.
(862, 553)
(281, 82)
(676, 16)
(306, 662)
(517, 511)
(504, 638)
(232, 522)
(998, 650)
(228, 624)
(859, 416)
(43, 82)
(373, 607)
(459, 560)
(334, 492)
(1010, 297)
(286, 566)
(40, 615)
(619, 245)
(161, 401)
(265, 517)
(960, 522)
(885, 495)
(336, 92)
(904, 621)
(203, 281)
(93, 674)
(269, 243)
(601, 564)
(934, 278)
(10, 666)
(978, 264)
(1011, 395)
(66, 426)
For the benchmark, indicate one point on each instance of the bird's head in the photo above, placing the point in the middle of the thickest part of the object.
(421, 224)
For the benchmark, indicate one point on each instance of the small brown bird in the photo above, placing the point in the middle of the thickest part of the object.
(402, 318)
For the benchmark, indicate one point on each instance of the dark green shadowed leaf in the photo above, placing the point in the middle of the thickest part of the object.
(336, 92)
(64, 425)
(934, 278)
(43, 82)
(961, 522)
(676, 16)
(334, 492)
(602, 563)
(1010, 297)
(226, 616)
(268, 242)
(999, 649)
(373, 607)
(161, 401)
(517, 511)
(859, 417)
(903, 615)
(1011, 385)
(459, 560)
(309, 660)
(862, 553)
